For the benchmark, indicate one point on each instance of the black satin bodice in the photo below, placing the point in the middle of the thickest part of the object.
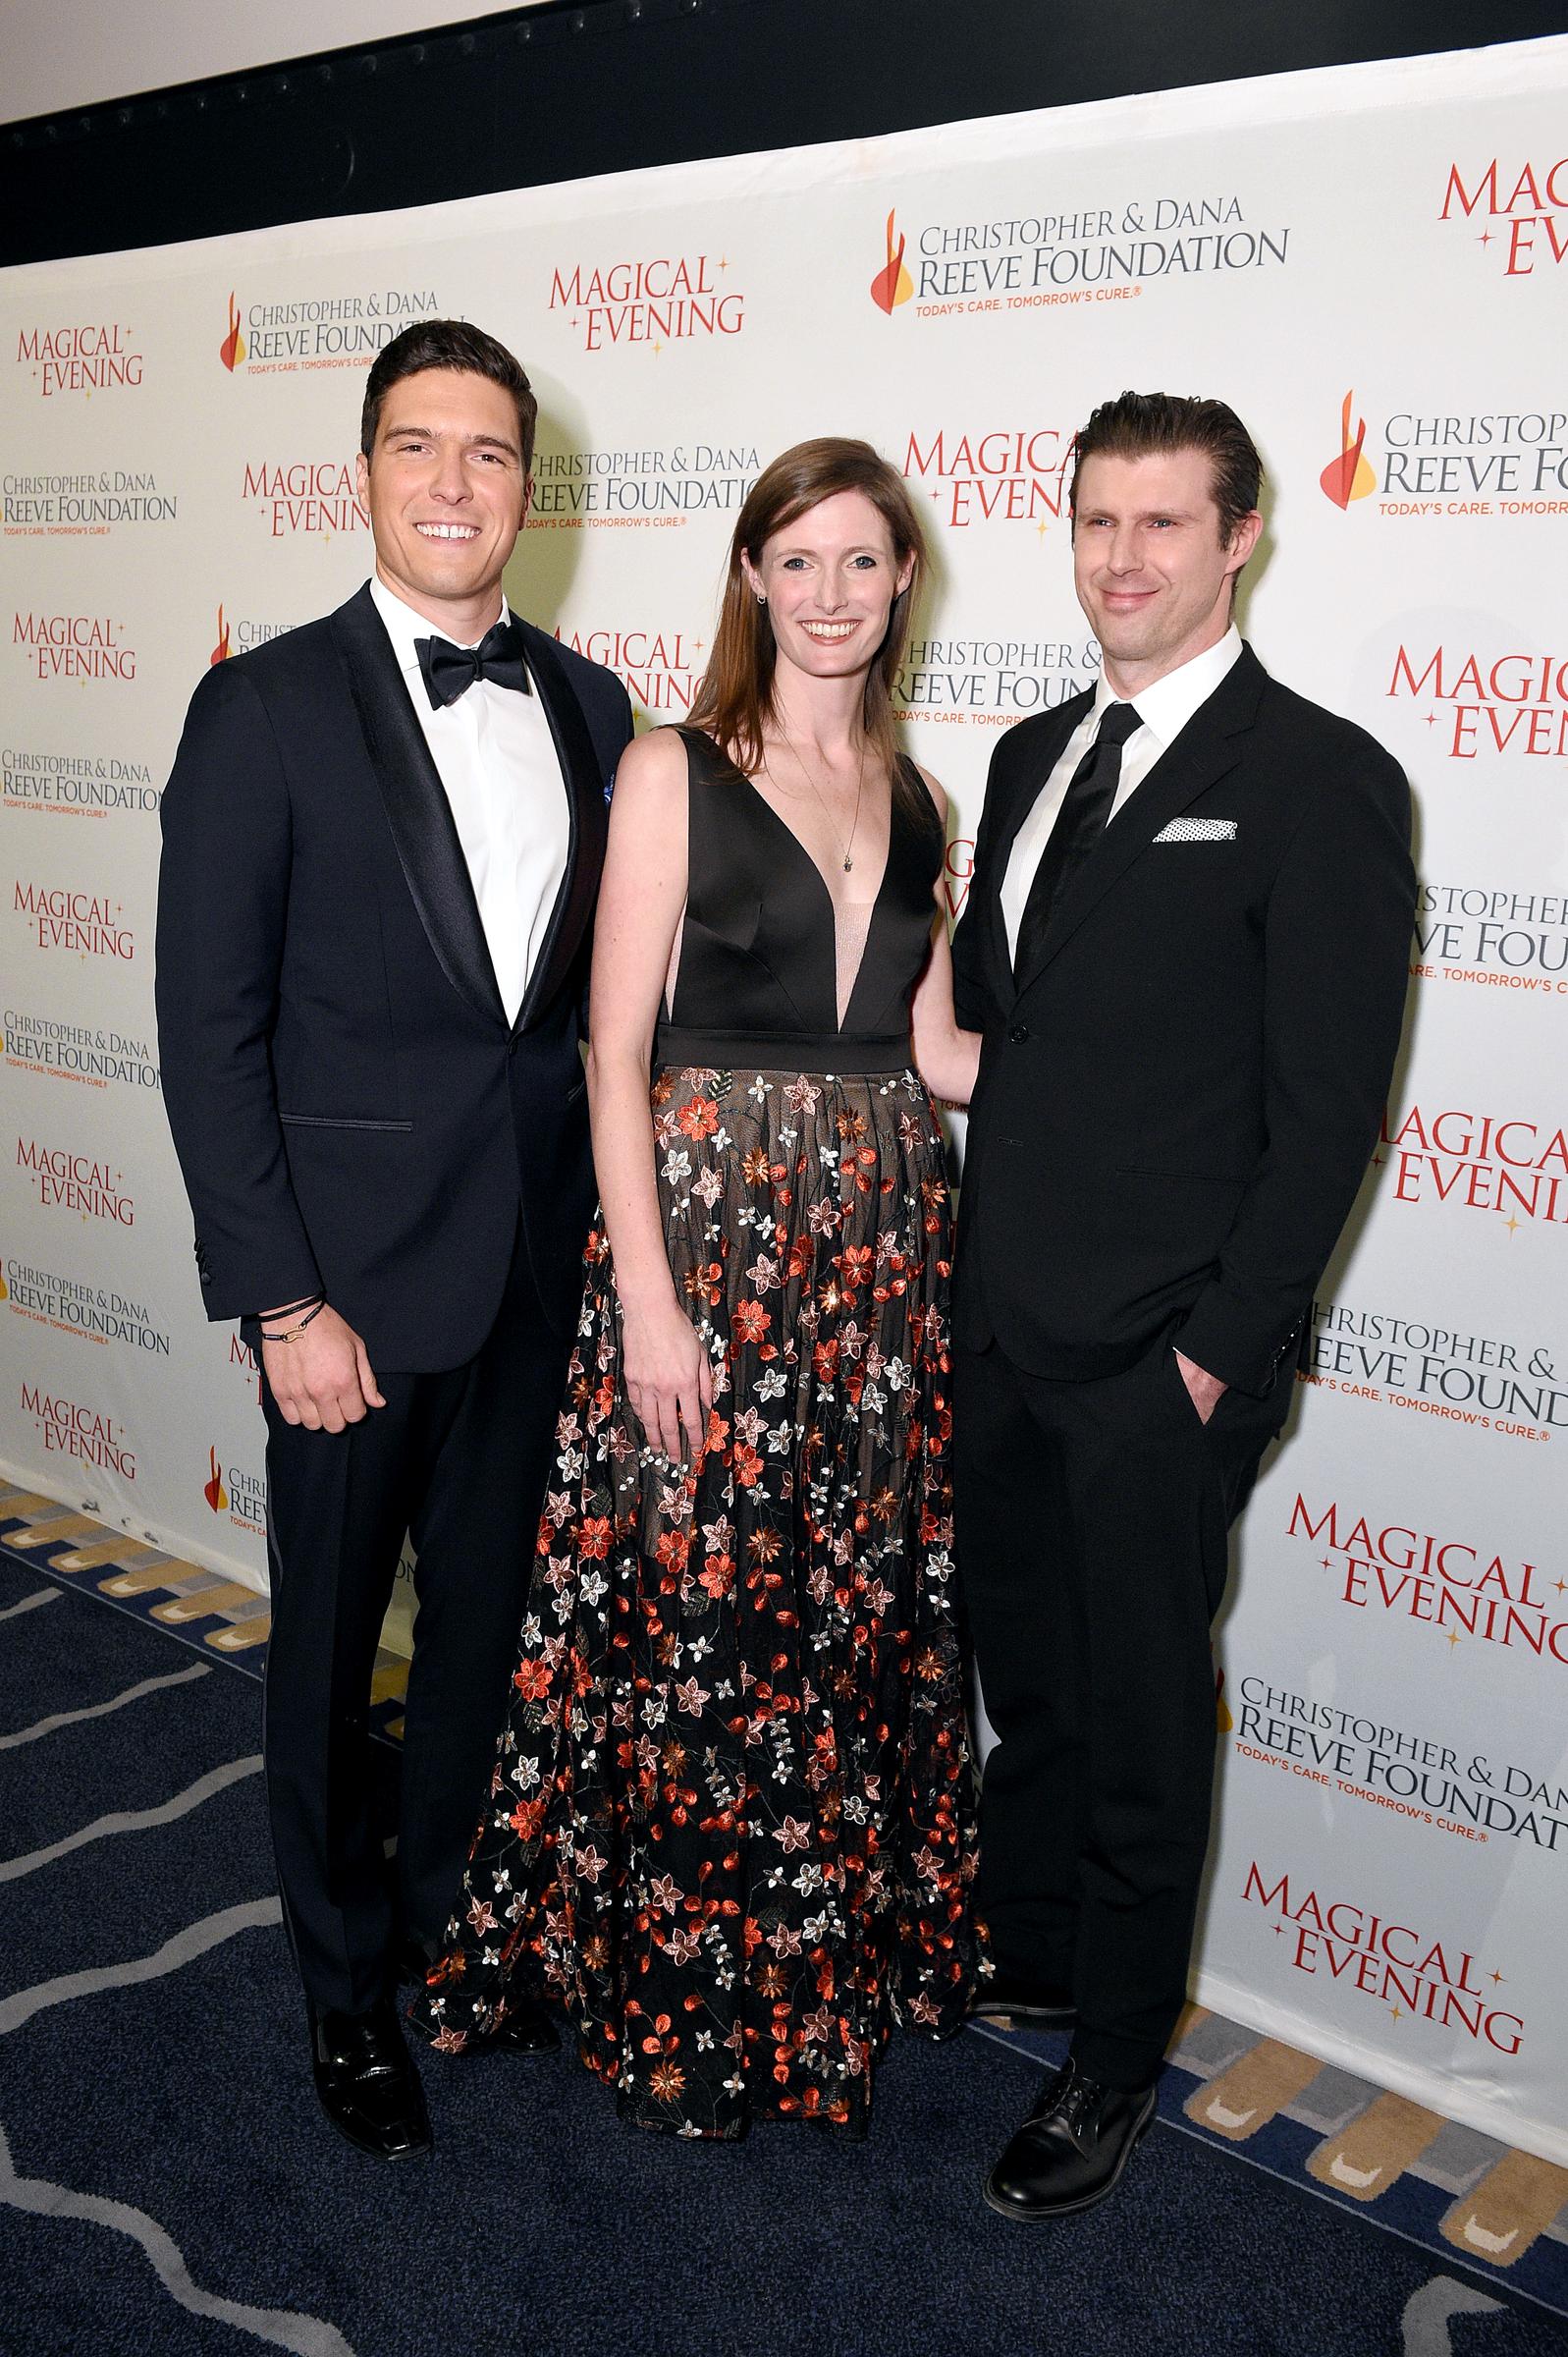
(756, 982)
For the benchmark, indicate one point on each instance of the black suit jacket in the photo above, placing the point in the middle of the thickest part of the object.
(1177, 1100)
(351, 1108)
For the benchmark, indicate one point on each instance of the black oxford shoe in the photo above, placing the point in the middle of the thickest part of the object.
(1072, 2149)
(1013, 1996)
(368, 2086)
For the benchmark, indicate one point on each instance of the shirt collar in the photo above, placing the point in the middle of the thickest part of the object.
(1166, 705)
(403, 625)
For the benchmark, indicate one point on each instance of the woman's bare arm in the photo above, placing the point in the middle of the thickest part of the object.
(640, 903)
(945, 1058)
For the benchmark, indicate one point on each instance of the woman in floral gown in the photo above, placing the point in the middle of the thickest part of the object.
(730, 1826)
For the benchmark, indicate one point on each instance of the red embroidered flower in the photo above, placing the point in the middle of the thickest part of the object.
(699, 1118)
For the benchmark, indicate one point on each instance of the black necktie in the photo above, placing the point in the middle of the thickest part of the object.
(451, 670)
(1080, 822)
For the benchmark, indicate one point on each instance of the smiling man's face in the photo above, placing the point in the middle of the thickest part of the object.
(1152, 570)
(447, 494)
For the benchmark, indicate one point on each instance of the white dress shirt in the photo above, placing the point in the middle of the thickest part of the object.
(1163, 711)
(497, 760)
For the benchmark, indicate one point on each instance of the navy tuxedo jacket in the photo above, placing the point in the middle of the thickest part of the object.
(1177, 1100)
(351, 1108)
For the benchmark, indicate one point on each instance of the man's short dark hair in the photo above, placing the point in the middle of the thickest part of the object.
(448, 344)
(1140, 425)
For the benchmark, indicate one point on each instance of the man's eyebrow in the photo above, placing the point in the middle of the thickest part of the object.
(428, 433)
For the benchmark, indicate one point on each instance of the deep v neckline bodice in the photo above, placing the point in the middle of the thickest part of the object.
(756, 974)
(872, 907)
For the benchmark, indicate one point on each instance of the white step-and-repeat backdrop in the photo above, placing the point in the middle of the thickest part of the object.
(1371, 264)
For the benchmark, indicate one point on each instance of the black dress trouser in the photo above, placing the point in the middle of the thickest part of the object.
(1093, 1521)
(459, 1460)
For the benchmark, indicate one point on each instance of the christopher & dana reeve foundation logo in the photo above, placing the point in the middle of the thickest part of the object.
(84, 924)
(659, 669)
(1483, 701)
(314, 498)
(1452, 1789)
(81, 507)
(1098, 253)
(72, 646)
(1418, 1976)
(991, 682)
(94, 1313)
(79, 356)
(1488, 1382)
(652, 299)
(1453, 1158)
(76, 784)
(1509, 942)
(237, 634)
(1463, 1591)
(1521, 203)
(1000, 474)
(629, 489)
(92, 1055)
(237, 1493)
(319, 331)
(1425, 464)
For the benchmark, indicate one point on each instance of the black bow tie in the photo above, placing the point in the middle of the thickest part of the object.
(449, 671)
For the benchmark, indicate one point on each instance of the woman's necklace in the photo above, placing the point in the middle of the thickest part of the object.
(845, 850)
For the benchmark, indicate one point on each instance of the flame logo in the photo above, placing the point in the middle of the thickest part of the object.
(1348, 476)
(216, 1495)
(5, 1289)
(892, 285)
(220, 653)
(1222, 1719)
(232, 350)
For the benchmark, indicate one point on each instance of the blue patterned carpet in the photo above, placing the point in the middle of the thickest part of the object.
(167, 2184)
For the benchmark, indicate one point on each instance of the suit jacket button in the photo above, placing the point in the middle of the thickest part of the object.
(1018, 1034)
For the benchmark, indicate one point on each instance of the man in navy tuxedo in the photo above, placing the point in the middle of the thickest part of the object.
(1186, 944)
(382, 843)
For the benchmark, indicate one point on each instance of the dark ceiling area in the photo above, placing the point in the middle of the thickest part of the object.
(566, 91)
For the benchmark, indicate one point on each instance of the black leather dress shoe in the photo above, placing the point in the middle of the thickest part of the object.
(368, 2086)
(1072, 2149)
(1011, 1996)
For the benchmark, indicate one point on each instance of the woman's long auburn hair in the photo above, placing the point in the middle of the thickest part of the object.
(735, 699)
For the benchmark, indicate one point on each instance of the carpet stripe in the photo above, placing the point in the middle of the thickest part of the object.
(1427, 2311)
(184, 1948)
(30, 1603)
(100, 1710)
(135, 1820)
(279, 2328)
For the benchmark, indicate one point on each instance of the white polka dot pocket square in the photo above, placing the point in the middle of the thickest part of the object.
(1198, 830)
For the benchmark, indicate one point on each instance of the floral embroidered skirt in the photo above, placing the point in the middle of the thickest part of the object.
(730, 1826)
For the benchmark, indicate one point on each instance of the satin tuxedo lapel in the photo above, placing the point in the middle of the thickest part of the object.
(586, 797)
(1211, 745)
(417, 809)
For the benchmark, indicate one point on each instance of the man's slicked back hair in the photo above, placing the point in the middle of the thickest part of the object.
(1141, 425)
(448, 344)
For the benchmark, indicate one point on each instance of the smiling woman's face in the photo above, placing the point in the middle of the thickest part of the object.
(829, 579)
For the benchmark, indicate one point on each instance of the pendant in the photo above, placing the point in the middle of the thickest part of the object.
(847, 865)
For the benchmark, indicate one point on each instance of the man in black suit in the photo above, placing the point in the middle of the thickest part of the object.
(382, 845)
(1186, 944)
